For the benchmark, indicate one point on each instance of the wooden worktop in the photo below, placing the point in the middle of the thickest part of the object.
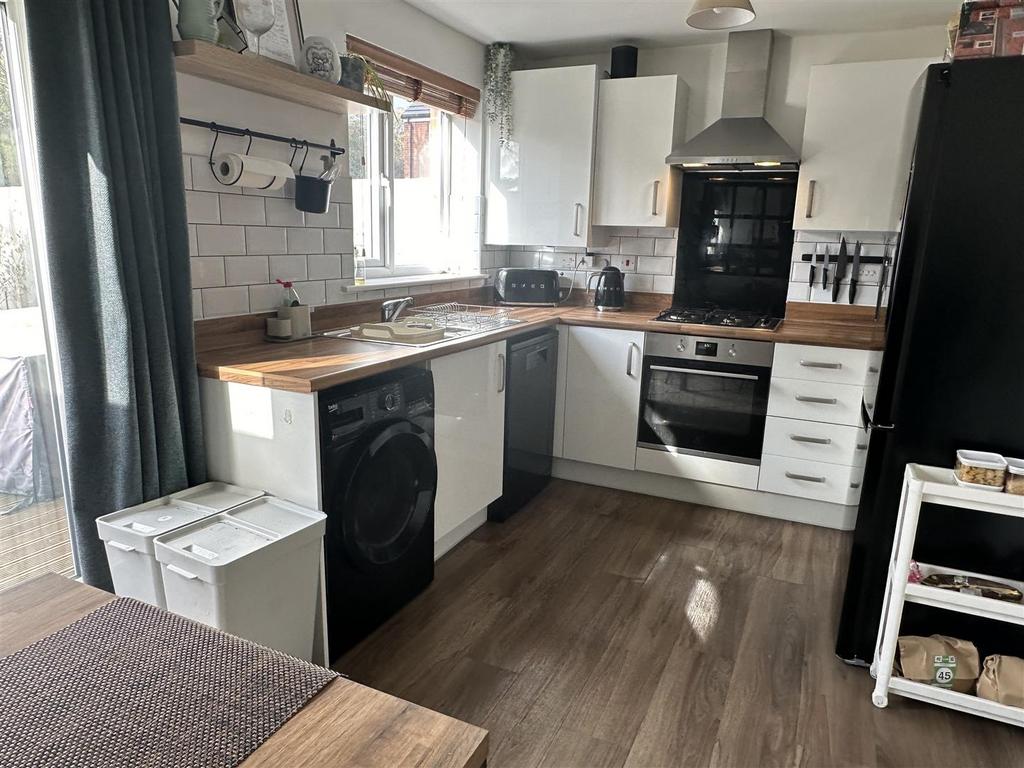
(314, 364)
(344, 724)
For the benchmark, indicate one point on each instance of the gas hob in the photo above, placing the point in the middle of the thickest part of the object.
(729, 318)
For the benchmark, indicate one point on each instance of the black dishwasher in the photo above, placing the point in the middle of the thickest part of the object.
(529, 420)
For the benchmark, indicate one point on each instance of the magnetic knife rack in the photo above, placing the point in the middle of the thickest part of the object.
(832, 258)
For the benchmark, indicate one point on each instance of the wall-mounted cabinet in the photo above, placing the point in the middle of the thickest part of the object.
(858, 143)
(539, 184)
(639, 120)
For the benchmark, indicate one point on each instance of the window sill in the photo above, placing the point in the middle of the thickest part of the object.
(400, 282)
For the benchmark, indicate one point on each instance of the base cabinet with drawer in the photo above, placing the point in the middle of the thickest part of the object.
(815, 442)
(834, 483)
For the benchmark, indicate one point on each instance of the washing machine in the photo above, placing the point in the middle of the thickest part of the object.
(379, 482)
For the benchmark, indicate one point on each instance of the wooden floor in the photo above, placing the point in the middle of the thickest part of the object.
(603, 628)
(33, 540)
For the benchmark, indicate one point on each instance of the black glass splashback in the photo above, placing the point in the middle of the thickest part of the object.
(735, 242)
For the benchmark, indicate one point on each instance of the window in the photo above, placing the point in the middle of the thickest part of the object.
(401, 168)
(415, 173)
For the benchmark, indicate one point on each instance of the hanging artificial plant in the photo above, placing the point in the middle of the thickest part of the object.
(498, 89)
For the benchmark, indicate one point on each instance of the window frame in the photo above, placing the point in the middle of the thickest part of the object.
(381, 256)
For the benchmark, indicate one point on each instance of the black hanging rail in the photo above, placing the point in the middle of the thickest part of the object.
(230, 130)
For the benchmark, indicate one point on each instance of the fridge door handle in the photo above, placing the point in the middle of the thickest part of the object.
(869, 424)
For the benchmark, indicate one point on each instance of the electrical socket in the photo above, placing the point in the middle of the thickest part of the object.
(566, 260)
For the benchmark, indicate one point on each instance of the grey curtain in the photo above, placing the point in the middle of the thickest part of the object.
(106, 121)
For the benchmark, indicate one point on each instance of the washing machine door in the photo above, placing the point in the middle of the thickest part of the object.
(386, 497)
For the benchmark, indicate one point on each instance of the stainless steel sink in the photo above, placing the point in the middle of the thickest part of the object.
(458, 321)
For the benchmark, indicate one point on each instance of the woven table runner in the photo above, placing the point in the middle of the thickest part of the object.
(132, 686)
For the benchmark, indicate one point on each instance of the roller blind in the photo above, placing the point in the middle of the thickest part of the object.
(413, 81)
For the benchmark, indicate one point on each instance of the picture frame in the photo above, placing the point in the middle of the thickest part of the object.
(283, 42)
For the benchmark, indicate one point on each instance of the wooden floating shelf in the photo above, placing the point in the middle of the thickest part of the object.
(268, 77)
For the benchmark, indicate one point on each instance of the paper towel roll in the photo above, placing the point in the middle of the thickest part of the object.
(236, 170)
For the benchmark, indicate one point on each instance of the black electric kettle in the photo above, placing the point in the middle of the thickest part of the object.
(610, 294)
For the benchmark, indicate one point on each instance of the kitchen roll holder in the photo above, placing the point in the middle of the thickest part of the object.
(332, 149)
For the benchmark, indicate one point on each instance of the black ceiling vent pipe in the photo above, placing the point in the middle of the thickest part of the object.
(624, 61)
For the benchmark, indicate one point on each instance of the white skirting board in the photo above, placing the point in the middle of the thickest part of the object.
(774, 505)
(459, 532)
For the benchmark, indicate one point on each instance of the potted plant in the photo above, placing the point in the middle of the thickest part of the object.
(359, 74)
(498, 89)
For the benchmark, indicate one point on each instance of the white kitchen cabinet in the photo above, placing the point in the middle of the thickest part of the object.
(858, 143)
(639, 120)
(539, 185)
(602, 396)
(469, 432)
(833, 483)
(815, 441)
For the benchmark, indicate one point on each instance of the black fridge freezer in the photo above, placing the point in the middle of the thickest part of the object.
(952, 374)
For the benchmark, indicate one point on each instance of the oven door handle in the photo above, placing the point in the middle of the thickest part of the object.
(700, 372)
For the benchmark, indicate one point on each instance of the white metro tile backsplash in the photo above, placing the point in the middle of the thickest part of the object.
(240, 240)
(646, 255)
(241, 209)
(288, 267)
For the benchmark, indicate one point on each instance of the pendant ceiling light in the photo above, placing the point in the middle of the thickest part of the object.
(720, 14)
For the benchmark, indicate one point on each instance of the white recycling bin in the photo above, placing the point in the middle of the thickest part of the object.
(128, 534)
(252, 571)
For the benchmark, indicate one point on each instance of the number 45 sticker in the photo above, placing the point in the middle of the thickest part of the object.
(945, 671)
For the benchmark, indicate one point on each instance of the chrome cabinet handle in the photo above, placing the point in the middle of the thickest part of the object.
(821, 400)
(501, 375)
(815, 364)
(815, 440)
(629, 358)
(576, 219)
(807, 478)
(810, 198)
(654, 202)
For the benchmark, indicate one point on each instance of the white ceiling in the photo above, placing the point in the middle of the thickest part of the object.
(556, 27)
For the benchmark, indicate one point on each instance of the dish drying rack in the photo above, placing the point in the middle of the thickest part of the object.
(453, 316)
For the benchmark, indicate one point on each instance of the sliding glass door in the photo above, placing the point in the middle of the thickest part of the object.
(34, 536)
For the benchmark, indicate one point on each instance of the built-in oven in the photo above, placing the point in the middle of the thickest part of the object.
(705, 396)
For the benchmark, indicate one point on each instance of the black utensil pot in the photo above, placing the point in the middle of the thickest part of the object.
(312, 194)
(610, 294)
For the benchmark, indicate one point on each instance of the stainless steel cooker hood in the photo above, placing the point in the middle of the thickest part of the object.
(741, 139)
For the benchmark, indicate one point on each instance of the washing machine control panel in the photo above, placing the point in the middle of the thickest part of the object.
(353, 413)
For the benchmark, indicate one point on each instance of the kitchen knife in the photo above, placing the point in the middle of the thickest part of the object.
(854, 272)
(837, 276)
(881, 285)
(824, 269)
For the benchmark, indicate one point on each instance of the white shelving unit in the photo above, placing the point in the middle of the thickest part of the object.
(935, 485)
